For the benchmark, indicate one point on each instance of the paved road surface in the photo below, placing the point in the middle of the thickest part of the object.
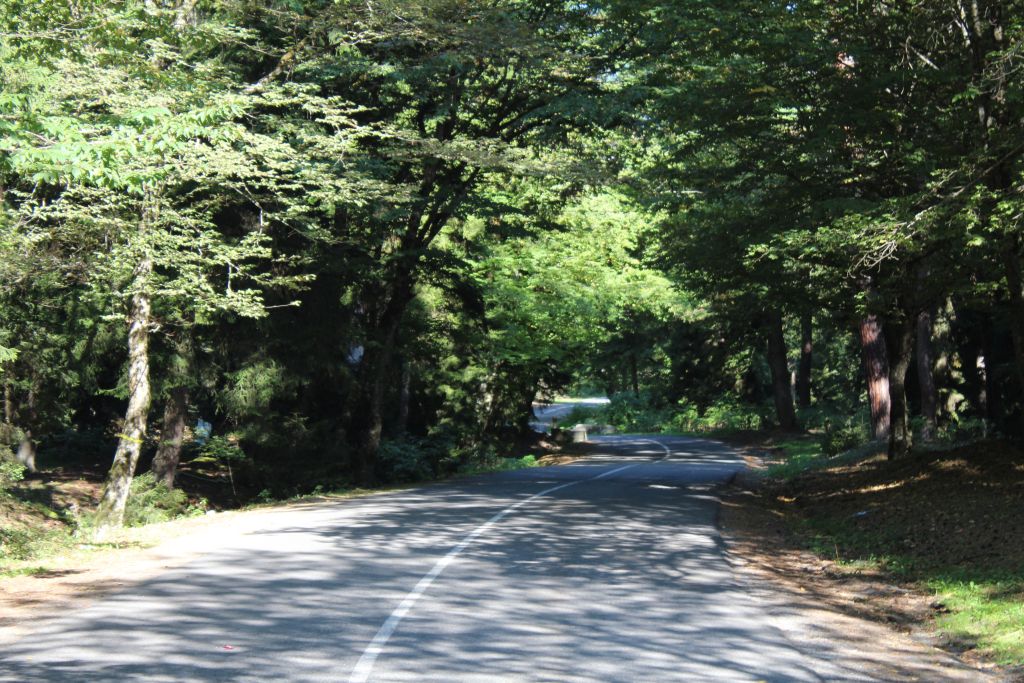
(607, 569)
(545, 412)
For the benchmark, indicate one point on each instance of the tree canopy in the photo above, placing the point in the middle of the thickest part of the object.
(349, 241)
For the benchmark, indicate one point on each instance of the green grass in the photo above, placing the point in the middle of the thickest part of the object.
(981, 609)
(23, 571)
(804, 454)
(800, 453)
(502, 465)
(986, 611)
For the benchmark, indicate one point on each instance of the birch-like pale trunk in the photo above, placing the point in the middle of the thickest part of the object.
(803, 374)
(110, 512)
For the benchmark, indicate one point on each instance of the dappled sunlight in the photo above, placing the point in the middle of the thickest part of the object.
(619, 578)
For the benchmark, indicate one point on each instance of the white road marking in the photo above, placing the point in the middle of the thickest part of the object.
(364, 667)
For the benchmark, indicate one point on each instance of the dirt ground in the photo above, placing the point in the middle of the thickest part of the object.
(935, 509)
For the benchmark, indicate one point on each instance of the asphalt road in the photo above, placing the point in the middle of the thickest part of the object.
(607, 569)
(544, 413)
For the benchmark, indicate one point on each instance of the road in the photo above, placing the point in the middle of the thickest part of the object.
(606, 569)
(544, 413)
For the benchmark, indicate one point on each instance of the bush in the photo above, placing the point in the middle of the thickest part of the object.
(844, 437)
(966, 430)
(406, 460)
(151, 502)
(582, 415)
(723, 415)
(11, 471)
(631, 413)
(15, 544)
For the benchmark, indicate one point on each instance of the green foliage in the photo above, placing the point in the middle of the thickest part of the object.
(582, 414)
(486, 462)
(722, 416)
(408, 460)
(841, 436)
(630, 413)
(222, 449)
(985, 610)
(151, 502)
(16, 544)
(11, 471)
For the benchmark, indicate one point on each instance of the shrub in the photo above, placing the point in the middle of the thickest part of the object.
(11, 471)
(405, 460)
(15, 544)
(631, 413)
(844, 437)
(151, 502)
(582, 415)
(966, 430)
(723, 415)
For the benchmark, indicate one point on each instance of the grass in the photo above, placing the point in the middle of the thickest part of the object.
(800, 453)
(978, 609)
(943, 521)
(803, 454)
(502, 465)
(986, 612)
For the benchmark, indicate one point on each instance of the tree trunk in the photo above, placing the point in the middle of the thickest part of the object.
(110, 513)
(876, 368)
(27, 451)
(367, 415)
(782, 389)
(634, 374)
(168, 453)
(900, 437)
(27, 448)
(803, 373)
(926, 376)
(1011, 263)
(405, 396)
(8, 404)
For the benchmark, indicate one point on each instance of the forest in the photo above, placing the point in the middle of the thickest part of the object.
(311, 243)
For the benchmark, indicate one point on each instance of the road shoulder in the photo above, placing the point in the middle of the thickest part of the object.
(884, 624)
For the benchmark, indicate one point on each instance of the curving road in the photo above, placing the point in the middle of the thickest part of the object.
(607, 569)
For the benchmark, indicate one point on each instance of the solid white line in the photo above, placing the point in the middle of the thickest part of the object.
(361, 673)
(668, 453)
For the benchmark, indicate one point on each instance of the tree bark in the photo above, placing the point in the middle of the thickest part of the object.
(367, 415)
(405, 396)
(26, 454)
(1011, 263)
(900, 437)
(172, 436)
(110, 513)
(926, 376)
(876, 369)
(782, 389)
(803, 374)
(27, 451)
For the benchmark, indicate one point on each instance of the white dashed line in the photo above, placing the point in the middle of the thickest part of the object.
(363, 668)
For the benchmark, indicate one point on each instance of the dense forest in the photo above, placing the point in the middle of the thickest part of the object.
(326, 241)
